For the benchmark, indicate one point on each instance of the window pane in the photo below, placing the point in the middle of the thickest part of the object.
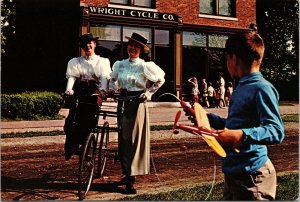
(217, 41)
(146, 32)
(208, 6)
(225, 7)
(217, 59)
(162, 37)
(194, 39)
(107, 32)
(109, 49)
(143, 3)
(119, 2)
(194, 60)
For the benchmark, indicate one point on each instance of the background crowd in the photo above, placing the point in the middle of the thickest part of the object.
(209, 94)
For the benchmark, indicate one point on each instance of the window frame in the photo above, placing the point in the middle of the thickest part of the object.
(216, 9)
(133, 4)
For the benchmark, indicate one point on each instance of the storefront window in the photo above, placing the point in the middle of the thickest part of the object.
(107, 32)
(217, 63)
(218, 7)
(203, 56)
(217, 41)
(217, 58)
(194, 39)
(109, 49)
(138, 3)
(162, 37)
(146, 32)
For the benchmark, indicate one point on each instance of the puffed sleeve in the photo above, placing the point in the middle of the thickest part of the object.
(155, 74)
(72, 69)
(104, 73)
(104, 70)
(114, 75)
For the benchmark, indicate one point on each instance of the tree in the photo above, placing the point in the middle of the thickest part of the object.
(278, 24)
(8, 19)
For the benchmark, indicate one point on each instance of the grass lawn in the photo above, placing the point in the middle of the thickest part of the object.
(287, 190)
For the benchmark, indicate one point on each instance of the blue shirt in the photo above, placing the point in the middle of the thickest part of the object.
(254, 109)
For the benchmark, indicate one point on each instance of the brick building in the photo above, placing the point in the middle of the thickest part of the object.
(186, 37)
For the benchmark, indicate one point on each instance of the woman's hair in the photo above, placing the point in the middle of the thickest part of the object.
(248, 47)
(145, 55)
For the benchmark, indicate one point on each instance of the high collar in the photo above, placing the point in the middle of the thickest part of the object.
(134, 60)
(92, 57)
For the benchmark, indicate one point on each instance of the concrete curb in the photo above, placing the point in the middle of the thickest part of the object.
(161, 113)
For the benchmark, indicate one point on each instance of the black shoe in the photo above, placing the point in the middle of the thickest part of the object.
(129, 185)
(130, 189)
(125, 180)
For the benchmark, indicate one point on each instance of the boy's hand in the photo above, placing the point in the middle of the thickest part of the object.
(231, 138)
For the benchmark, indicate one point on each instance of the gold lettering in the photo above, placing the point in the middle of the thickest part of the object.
(110, 11)
(144, 14)
(133, 13)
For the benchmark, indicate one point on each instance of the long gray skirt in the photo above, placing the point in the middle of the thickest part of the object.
(134, 138)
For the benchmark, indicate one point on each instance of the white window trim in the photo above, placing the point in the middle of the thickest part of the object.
(131, 7)
(218, 17)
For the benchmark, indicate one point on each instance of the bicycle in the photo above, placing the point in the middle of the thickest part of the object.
(89, 147)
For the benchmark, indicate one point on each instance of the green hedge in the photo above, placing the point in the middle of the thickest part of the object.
(30, 105)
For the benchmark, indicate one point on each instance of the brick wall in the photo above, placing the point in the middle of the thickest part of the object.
(189, 11)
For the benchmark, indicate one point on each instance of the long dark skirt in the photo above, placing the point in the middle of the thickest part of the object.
(134, 138)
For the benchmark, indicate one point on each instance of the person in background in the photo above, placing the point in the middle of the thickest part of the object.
(222, 90)
(218, 95)
(253, 122)
(195, 89)
(133, 75)
(87, 74)
(204, 95)
(229, 92)
(211, 95)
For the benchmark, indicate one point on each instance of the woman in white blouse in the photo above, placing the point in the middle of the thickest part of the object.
(86, 75)
(133, 76)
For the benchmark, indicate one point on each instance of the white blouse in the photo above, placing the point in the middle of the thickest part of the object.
(134, 75)
(90, 68)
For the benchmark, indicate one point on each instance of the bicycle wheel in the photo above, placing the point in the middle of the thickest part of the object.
(86, 165)
(102, 158)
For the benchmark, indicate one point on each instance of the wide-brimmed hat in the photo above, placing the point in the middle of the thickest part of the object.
(86, 38)
(139, 39)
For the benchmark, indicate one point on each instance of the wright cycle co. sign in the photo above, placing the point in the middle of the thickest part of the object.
(142, 14)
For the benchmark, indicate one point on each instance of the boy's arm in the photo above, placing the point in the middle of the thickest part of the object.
(271, 129)
(216, 121)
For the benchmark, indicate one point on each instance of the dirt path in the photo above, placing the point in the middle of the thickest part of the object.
(35, 169)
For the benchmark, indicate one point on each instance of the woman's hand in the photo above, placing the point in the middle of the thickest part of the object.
(69, 92)
(231, 138)
(146, 96)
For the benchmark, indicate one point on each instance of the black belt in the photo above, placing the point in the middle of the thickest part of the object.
(88, 83)
(125, 93)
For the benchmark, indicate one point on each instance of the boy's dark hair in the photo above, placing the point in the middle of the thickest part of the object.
(248, 47)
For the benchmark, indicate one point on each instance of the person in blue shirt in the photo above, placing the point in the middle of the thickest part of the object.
(253, 122)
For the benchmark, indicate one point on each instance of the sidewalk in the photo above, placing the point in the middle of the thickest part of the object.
(161, 113)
